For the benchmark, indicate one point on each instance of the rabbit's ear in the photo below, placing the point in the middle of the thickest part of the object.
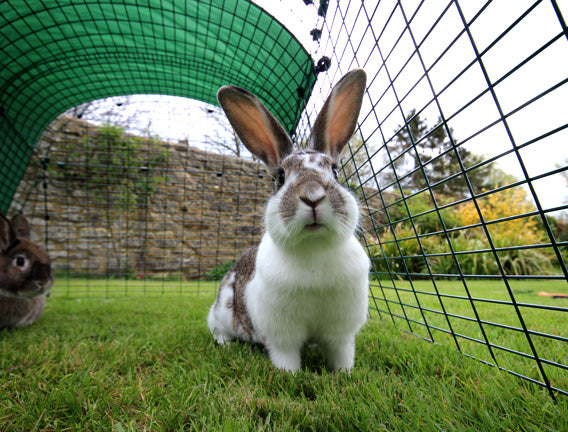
(337, 120)
(21, 226)
(257, 128)
(7, 235)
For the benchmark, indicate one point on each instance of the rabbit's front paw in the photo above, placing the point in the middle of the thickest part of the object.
(286, 360)
(340, 355)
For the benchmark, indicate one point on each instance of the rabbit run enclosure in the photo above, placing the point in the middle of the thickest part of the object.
(459, 159)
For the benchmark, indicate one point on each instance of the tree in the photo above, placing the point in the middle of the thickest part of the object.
(356, 165)
(223, 136)
(419, 153)
(119, 174)
(112, 110)
(564, 174)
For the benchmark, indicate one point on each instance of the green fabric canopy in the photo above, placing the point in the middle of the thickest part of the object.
(58, 54)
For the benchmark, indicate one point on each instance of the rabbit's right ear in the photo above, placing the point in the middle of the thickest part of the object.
(337, 119)
(7, 235)
(257, 128)
(21, 226)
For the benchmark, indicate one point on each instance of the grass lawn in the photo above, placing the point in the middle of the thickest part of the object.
(148, 363)
(501, 325)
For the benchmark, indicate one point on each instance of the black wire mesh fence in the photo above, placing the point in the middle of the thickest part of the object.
(109, 205)
(459, 161)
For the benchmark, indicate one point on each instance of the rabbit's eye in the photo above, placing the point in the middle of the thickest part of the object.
(281, 177)
(20, 261)
(335, 171)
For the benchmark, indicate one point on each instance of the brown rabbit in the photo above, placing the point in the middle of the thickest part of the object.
(25, 274)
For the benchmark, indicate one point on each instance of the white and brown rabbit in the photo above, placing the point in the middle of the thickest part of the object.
(25, 274)
(307, 280)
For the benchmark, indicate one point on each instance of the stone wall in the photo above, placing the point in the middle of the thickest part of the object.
(202, 209)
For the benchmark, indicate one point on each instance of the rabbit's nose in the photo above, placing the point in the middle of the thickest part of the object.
(311, 202)
(312, 194)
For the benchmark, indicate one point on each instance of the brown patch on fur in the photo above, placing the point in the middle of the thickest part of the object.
(292, 163)
(295, 162)
(289, 204)
(243, 269)
(308, 178)
(336, 198)
(323, 161)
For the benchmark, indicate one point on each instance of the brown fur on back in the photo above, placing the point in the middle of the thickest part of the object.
(241, 273)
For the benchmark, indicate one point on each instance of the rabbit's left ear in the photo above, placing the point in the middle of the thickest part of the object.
(21, 226)
(337, 120)
(257, 128)
(6, 233)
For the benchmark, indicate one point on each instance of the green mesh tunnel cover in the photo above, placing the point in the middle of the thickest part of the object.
(58, 54)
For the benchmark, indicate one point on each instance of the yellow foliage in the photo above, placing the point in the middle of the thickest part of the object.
(500, 205)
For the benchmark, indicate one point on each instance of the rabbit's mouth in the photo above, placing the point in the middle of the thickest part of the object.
(45, 287)
(314, 226)
(36, 289)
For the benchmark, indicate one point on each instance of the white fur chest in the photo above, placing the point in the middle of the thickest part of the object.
(311, 294)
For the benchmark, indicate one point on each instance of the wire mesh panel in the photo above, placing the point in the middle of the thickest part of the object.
(461, 165)
(111, 205)
(459, 161)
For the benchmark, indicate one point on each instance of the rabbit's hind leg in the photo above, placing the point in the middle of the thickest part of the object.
(220, 318)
